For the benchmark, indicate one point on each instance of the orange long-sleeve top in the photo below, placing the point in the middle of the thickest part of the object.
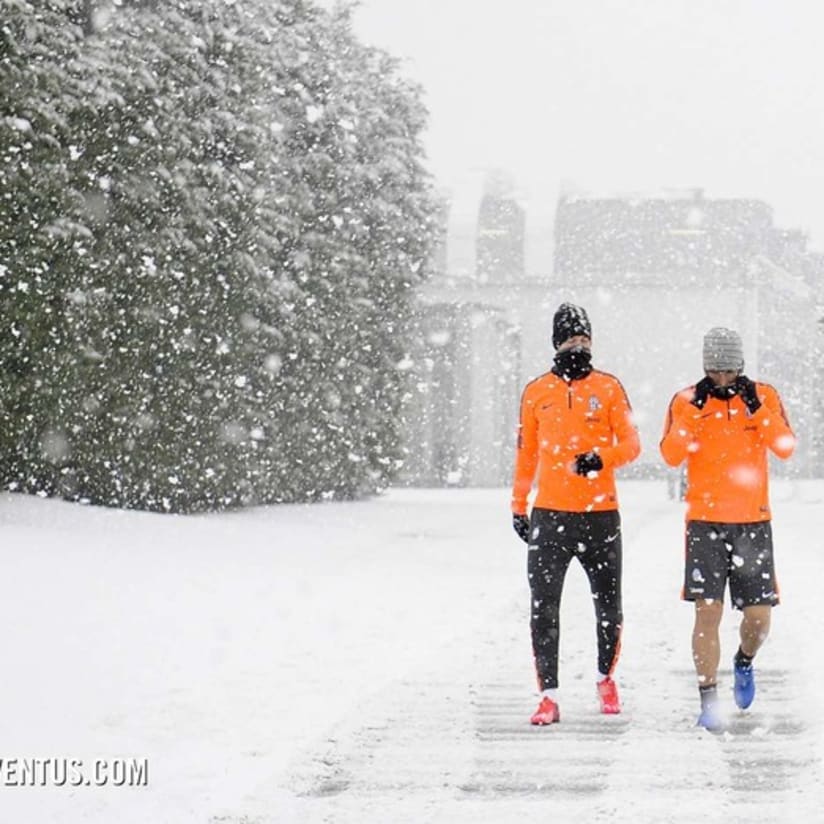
(725, 448)
(560, 420)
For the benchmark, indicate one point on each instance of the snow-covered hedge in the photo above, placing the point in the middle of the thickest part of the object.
(212, 218)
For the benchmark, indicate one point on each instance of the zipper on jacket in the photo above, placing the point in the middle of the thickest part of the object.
(569, 394)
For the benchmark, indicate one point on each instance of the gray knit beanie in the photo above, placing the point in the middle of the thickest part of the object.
(723, 351)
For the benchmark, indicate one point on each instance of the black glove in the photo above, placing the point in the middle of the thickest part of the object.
(520, 523)
(746, 389)
(588, 462)
(703, 389)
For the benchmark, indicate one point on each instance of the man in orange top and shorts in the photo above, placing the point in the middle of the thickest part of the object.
(723, 428)
(575, 429)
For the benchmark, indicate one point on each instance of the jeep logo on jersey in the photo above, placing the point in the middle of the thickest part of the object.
(594, 403)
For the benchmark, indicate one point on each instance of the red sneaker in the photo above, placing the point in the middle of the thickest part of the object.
(547, 713)
(608, 693)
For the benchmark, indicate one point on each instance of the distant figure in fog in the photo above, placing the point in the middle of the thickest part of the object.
(722, 428)
(575, 429)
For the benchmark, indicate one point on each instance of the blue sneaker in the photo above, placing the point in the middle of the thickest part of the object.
(710, 718)
(744, 688)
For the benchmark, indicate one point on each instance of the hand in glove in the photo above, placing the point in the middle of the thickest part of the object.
(703, 389)
(746, 389)
(588, 462)
(520, 523)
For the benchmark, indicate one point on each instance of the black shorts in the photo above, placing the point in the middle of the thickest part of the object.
(740, 553)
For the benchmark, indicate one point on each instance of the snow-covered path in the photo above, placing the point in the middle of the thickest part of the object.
(370, 662)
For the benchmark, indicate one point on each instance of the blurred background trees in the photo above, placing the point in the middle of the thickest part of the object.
(213, 218)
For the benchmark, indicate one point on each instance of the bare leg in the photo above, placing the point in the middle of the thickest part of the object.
(755, 626)
(706, 645)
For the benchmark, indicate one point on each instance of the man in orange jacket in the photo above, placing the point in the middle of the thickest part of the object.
(723, 427)
(575, 429)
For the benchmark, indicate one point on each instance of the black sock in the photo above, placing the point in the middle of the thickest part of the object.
(742, 660)
(708, 693)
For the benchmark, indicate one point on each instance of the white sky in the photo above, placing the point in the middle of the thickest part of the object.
(613, 96)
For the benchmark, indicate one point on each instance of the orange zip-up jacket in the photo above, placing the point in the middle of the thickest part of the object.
(560, 420)
(725, 448)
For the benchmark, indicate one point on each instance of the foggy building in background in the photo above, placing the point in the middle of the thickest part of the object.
(661, 270)
(500, 235)
(467, 359)
(654, 273)
(644, 239)
(459, 419)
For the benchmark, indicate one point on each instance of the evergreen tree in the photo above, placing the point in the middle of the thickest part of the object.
(42, 232)
(242, 192)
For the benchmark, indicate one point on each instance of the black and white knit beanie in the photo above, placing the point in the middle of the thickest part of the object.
(569, 321)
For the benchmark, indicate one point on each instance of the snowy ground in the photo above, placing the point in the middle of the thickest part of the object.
(370, 663)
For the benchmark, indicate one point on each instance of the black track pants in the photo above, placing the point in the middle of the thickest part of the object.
(594, 538)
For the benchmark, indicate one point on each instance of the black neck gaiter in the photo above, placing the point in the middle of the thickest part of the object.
(573, 364)
(723, 393)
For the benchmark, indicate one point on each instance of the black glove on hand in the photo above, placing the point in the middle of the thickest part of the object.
(703, 389)
(588, 462)
(520, 523)
(746, 389)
